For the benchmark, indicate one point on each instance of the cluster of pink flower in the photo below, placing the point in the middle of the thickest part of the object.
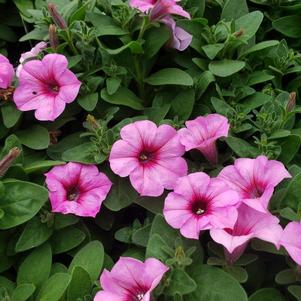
(160, 10)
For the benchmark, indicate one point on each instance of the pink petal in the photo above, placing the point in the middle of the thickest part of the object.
(107, 296)
(123, 158)
(153, 272)
(52, 107)
(146, 180)
(55, 64)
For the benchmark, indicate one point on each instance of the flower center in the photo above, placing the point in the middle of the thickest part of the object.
(54, 88)
(72, 194)
(199, 207)
(256, 191)
(139, 297)
(145, 156)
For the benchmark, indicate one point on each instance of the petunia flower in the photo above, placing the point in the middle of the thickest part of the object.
(202, 133)
(131, 280)
(158, 9)
(6, 72)
(180, 39)
(150, 155)
(77, 188)
(250, 224)
(200, 203)
(290, 240)
(254, 180)
(46, 86)
(33, 53)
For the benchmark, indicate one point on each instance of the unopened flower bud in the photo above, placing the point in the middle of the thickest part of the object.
(239, 33)
(92, 122)
(53, 38)
(56, 17)
(291, 102)
(7, 161)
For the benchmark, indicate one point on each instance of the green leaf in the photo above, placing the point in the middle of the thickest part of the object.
(179, 283)
(260, 46)
(170, 76)
(35, 137)
(22, 200)
(289, 214)
(66, 239)
(259, 77)
(155, 38)
(54, 287)
(123, 96)
(203, 82)
(221, 106)
(213, 284)
(254, 101)
(40, 166)
(289, 148)
(286, 277)
(295, 290)
(10, 114)
(183, 103)
(64, 220)
(233, 9)
(113, 85)
(267, 294)
(105, 25)
(225, 67)
(288, 26)
(90, 258)
(249, 23)
(292, 195)
(242, 148)
(23, 292)
(88, 102)
(121, 195)
(36, 267)
(80, 284)
(34, 234)
(212, 50)
(237, 272)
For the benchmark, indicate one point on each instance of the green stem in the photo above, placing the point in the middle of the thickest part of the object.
(70, 42)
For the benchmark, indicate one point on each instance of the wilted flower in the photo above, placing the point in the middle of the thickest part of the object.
(199, 203)
(290, 240)
(131, 280)
(77, 188)
(33, 53)
(158, 9)
(6, 72)
(254, 180)
(202, 133)
(150, 155)
(250, 224)
(46, 86)
(180, 38)
(7, 160)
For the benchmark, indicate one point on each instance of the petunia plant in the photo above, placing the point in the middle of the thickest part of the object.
(150, 150)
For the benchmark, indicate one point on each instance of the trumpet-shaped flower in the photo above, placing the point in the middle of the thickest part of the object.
(77, 188)
(150, 155)
(131, 280)
(34, 52)
(6, 72)
(250, 224)
(199, 203)
(158, 9)
(254, 180)
(180, 38)
(291, 240)
(202, 133)
(46, 86)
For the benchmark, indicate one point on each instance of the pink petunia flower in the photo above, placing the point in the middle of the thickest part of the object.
(202, 133)
(150, 155)
(254, 180)
(77, 188)
(199, 203)
(291, 240)
(46, 86)
(6, 72)
(158, 9)
(131, 280)
(180, 39)
(34, 52)
(250, 224)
